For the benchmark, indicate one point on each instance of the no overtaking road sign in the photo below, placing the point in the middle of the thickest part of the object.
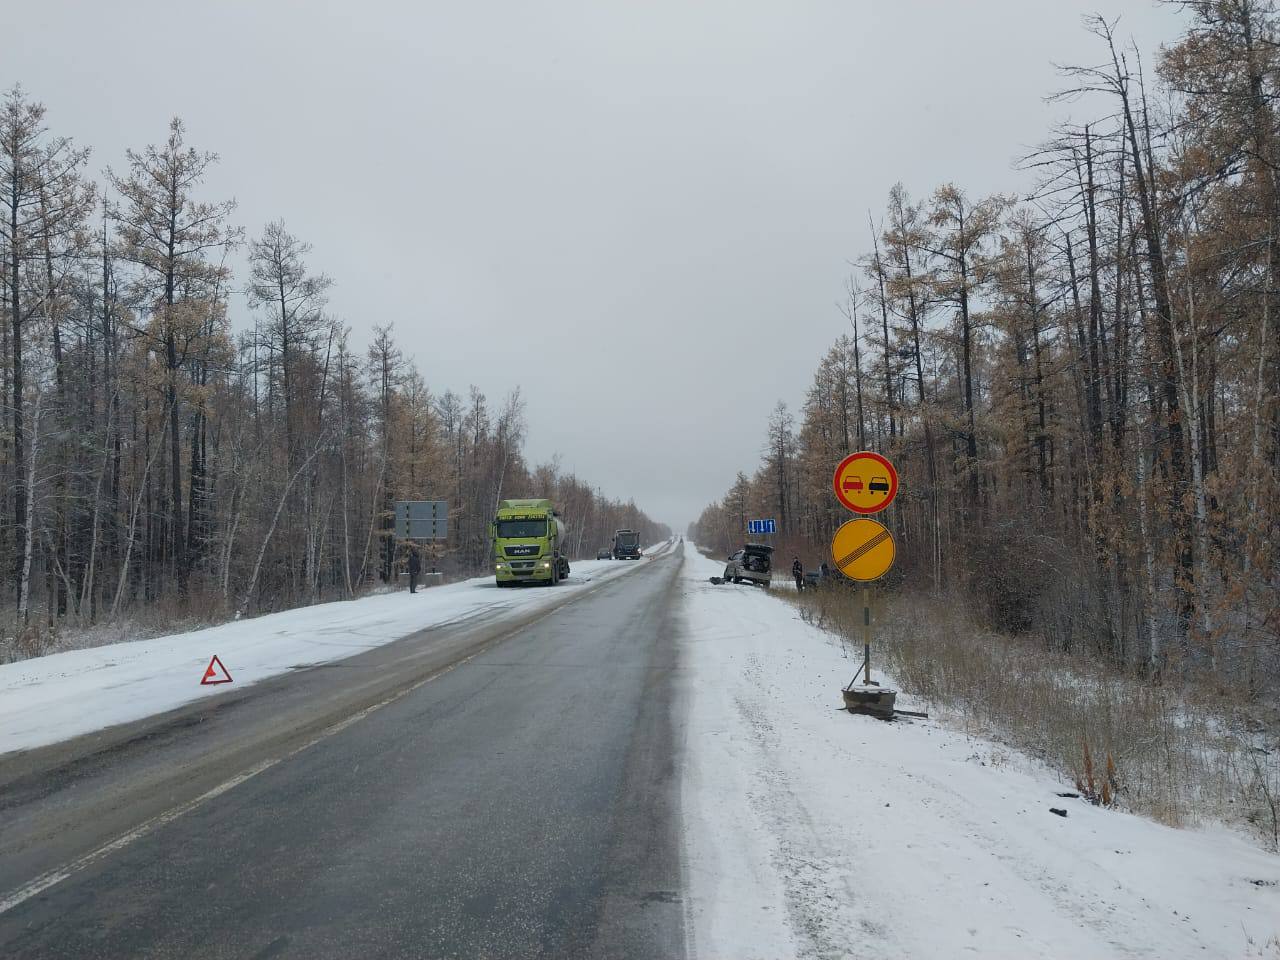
(864, 549)
(865, 482)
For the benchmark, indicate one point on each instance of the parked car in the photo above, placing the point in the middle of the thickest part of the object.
(604, 553)
(752, 563)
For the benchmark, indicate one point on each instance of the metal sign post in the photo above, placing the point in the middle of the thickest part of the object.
(864, 550)
(423, 520)
(866, 635)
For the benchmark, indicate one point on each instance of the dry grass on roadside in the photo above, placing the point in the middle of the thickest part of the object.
(1153, 750)
(38, 638)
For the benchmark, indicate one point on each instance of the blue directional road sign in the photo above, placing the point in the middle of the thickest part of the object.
(760, 526)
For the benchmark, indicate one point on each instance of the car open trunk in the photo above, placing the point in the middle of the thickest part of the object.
(757, 557)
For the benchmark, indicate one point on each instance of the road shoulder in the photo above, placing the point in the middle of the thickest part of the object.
(810, 832)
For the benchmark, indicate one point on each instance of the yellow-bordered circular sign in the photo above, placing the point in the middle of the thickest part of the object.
(865, 482)
(863, 549)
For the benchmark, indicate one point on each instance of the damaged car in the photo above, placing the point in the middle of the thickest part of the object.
(753, 563)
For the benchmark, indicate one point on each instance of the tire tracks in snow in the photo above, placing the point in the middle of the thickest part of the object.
(816, 885)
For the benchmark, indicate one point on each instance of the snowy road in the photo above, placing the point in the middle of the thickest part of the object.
(49, 699)
(476, 790)
(645, 766)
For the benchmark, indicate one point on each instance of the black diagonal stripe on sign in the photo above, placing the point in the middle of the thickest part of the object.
(866, 548)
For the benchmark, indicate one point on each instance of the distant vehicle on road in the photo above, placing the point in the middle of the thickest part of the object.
(753, 563)
(626, 545)
(528, 536)
(604, 553)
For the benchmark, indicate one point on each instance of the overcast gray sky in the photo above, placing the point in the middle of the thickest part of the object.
(640, 213)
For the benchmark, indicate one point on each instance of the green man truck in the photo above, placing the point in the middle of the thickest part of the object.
(529, 541)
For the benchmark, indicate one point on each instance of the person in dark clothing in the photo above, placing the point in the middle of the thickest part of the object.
(415, 567)
(797, 571)
(826, 570)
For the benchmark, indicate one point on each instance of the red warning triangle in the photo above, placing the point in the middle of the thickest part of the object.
(215, 673)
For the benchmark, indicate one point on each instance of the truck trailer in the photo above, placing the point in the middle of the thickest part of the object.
(529, 540)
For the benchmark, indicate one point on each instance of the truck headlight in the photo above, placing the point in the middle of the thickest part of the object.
(546, 565)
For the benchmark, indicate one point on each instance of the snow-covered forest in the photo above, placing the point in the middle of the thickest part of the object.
(180, 441)
(1079, 385)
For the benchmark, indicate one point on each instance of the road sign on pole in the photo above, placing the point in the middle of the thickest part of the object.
(761, 526)
(863, 549)
(422, 519)
(865, 482)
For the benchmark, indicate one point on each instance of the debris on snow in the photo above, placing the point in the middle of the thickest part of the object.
(807, 835)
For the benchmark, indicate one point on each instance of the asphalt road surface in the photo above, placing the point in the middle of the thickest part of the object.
(490, 789)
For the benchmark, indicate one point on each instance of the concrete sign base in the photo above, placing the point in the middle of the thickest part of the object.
(871, 700)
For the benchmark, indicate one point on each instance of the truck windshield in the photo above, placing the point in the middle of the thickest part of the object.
(508, 529)
(628, 539)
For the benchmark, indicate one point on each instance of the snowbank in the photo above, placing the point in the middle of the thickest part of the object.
(48, 699)
(811, 832)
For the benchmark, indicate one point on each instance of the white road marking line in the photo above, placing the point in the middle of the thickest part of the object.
(53, 877)
(43, 882)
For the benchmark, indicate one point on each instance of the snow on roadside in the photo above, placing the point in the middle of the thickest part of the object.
(809, 832)
(49, 699)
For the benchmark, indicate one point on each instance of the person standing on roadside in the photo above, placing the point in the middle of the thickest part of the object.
(415, 567)
(797, 571)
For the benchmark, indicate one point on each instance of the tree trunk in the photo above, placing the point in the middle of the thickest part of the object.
(275, 519)
(20, 512)
(28, 519)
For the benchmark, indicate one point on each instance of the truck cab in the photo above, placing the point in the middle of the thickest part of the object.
(626, 545)
(528, 537)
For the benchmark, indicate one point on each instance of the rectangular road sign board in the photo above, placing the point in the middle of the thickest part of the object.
(422, 519)
(761, 526)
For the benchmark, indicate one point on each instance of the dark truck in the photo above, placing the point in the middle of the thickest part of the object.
(626, 545)
(752, 563)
